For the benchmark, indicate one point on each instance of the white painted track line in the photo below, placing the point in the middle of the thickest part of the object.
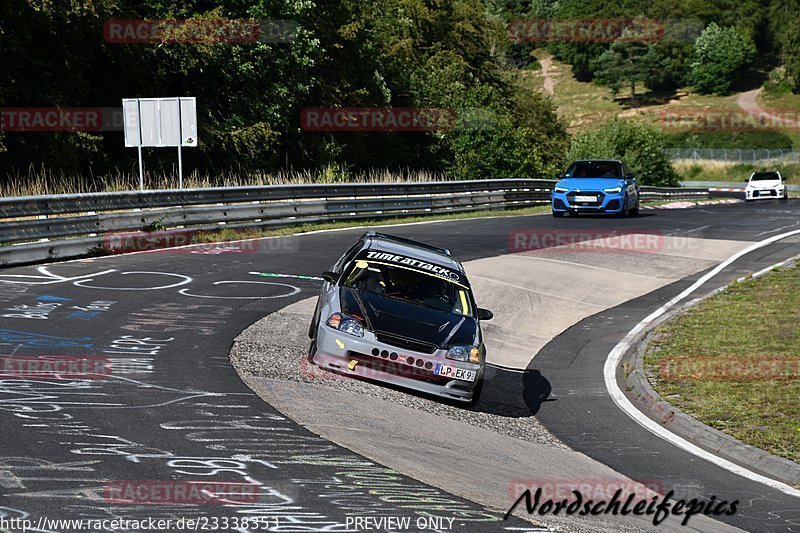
(614, 358)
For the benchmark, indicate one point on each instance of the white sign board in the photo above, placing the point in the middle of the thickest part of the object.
(160, 122)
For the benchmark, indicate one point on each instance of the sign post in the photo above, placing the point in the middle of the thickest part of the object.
(160, 122)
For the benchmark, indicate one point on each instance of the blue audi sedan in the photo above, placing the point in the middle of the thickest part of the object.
(596, 186)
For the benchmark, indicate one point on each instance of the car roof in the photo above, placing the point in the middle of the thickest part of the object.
(408, 247)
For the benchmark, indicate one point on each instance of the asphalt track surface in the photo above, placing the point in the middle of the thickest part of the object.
(173, 410)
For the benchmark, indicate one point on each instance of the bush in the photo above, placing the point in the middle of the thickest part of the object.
(639, 145)
(720, 57)
(742, 140)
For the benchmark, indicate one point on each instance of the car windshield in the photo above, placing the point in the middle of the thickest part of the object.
(409, 285)
(589, 169)
(761, 176)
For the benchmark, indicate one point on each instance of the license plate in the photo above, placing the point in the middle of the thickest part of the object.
(455, 373)
(765, 193)
(586, 198)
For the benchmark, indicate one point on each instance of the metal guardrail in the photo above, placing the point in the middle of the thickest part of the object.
(41, 228)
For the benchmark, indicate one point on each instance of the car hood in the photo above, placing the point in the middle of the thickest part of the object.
(764, 184)
(590, 184)
(408, 320)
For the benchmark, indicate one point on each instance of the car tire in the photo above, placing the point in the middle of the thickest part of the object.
(785, 195)
(476, 394)
(314, 326)
(558, 214)
(635, 211)
(312, 350)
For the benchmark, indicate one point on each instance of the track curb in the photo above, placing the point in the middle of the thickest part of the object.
(647, 400)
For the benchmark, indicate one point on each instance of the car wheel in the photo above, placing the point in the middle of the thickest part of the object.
(312, 350)
(635, 211)
(314, 326)
(785, 195)
(476, 394)
(558, 214)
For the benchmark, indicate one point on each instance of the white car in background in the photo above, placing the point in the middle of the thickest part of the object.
(769, 184)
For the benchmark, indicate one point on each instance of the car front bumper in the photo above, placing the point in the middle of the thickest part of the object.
(337, 351)
(605, 203)
(765, 194)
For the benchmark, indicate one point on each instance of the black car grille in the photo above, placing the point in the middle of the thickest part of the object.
(558, 204)
(597, 203)
(613, 205)
(405, 342)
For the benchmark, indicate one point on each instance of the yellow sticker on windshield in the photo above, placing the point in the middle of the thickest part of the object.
(463, 302)
(361, 264)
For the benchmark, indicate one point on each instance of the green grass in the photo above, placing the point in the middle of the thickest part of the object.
(233, 234)
(733, 172)
(782, 100)
(749, 322)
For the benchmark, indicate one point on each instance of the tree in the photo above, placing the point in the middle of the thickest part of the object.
(626, 62)
(791, 53)
(720, 57)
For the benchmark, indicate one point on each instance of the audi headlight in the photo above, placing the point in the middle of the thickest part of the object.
(467, 354)
(613, 190)
(346, 324)
(561, 189)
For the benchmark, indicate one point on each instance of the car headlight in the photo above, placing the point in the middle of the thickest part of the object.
(560, 189)
(466, 354)
(346, 324)
(613, 189)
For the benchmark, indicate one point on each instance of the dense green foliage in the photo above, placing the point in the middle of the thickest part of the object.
(639, 145)
(743, 140)
(453, 54)
(626, 62)
(766, 25)
(720, 56)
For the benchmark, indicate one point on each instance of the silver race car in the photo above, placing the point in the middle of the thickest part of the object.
(395, 310)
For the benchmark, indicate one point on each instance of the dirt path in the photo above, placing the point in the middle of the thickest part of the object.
(549, 83)
(747, 101)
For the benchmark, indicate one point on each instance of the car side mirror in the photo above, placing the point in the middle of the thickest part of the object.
(330, 277)
(630, 177)
(484, 314)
